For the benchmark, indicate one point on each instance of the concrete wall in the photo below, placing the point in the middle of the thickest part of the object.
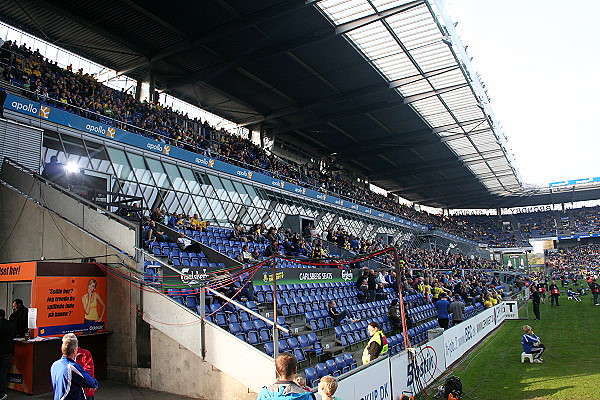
(114, 230)
(183, 372)
(29, 232)
(231, 365)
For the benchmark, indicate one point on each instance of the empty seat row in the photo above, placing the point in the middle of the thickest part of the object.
(337, 366)
(308, 344)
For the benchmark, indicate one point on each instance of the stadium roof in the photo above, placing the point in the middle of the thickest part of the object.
(384, 85)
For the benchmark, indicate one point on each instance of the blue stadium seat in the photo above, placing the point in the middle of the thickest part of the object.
(299, 355)
(312, 379)
(253, 338)
(340, 363)
(321, 369)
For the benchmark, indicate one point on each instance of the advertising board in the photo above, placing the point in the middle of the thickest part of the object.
(460, 338)
(372, 383)
(410, 372)
(49, 113)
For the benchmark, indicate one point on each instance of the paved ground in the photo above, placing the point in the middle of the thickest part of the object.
(108, 391)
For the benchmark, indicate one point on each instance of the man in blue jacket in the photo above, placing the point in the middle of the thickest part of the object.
(442, 306)
(68, 377)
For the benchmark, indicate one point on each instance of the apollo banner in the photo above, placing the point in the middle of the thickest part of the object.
(410, 371)
(99, 128)
(372, 383)
(460, 338)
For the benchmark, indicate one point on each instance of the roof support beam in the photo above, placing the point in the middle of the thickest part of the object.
(405, 139)
(224, 31)
(415, 78)
(360, 22)
(155, 18)
(431, 93)
(440, 182)
(435, 165)
(89, 26)
(238, 60)
(444, 128)
(336, 116)
(455, 136)
(344, 96)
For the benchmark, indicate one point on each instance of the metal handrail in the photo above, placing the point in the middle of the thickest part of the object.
(215, 293)
(65, 191)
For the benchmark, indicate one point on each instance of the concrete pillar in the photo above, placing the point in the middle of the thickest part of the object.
(138, 91)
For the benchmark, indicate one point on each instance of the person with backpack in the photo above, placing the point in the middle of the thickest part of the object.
(286, 366)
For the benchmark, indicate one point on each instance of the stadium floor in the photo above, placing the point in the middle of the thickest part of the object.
(109, 390)
(571, 365)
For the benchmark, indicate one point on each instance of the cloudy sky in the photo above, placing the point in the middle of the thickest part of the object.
(540, 62)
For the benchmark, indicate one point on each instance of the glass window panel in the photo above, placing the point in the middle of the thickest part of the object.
(217, 210)
(228, 185)
(81, 162)
(219, 187)
(51, 141)
(232, 211)
(174, 175)
(202, 208)
(132, 189)
(243, 195)
(95, 150)
(150, 194)
(120, 163)
(158, 173)
(190, 180)
(73, 145)
(188, 205)
(216, 182)
(171, 202)
(140, 170)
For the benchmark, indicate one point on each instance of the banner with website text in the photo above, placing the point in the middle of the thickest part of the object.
(49, 113)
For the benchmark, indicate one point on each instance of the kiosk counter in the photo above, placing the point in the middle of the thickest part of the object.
(61, 298)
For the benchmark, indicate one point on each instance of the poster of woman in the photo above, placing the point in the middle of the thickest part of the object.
(90, 302)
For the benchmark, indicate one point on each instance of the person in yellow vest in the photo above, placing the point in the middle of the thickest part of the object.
(378, 344)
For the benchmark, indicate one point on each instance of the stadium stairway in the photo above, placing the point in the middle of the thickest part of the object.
(159, 351)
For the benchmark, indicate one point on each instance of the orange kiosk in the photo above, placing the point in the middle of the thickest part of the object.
(62, 298)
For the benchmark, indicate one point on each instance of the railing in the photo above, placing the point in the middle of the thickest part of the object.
(99, 222)
(215, 293)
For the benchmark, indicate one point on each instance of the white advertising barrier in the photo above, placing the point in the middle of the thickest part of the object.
(460, 338)
(372, 383)
(511, 309)
(428, 363)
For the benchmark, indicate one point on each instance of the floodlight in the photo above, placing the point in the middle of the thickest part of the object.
(72, 168)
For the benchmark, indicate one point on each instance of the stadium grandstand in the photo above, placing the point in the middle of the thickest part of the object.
(243, 179)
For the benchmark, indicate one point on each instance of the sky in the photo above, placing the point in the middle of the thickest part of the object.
(540, 62)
